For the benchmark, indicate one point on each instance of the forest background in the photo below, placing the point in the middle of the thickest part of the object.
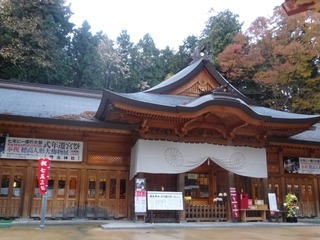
(276, 62)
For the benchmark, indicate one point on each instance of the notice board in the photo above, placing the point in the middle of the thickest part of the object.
(272, 202)
(164, 200)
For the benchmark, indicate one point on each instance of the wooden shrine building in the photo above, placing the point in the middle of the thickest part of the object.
(193, 133)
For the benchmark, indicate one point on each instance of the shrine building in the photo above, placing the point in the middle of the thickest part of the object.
(193, 134)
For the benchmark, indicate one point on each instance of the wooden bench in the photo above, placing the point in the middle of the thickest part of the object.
(253, 215)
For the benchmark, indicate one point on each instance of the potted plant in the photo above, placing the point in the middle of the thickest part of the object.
(291, 207)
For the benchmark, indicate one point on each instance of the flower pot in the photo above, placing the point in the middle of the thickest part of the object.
(292, 219)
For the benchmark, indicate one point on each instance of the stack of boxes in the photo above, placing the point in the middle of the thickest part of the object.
(258, 205)
(245, 203)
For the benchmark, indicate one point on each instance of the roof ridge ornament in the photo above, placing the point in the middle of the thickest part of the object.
(226, 88)
(201, 53)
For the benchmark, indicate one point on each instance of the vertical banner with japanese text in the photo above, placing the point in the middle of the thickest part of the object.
(43, 174)
(234, 203)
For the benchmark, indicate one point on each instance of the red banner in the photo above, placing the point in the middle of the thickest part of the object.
(43, 174)
(234, 203)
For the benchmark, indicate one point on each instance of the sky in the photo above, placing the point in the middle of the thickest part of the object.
(168, 22)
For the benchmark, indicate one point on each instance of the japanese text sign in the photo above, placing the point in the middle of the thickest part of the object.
(234, 203)
(43, 174)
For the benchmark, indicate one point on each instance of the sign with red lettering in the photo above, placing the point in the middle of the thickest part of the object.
(43, 174)
(234, 203)
(140, 196)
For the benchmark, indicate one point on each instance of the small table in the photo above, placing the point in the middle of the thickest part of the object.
(260, 215)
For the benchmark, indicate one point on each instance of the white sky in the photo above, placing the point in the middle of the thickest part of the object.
(168, 22)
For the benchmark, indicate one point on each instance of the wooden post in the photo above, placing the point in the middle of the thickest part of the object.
(28, 177)
(181, 183)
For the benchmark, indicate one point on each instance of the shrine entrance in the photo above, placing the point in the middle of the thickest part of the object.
(106, 194)
(62, 193)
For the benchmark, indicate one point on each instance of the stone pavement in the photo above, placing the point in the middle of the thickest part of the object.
(126, 224)
(26, 229)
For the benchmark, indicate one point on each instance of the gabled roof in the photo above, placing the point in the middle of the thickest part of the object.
(158, 99)
(190, 72)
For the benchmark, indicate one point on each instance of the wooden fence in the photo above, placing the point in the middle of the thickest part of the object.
(206, 213)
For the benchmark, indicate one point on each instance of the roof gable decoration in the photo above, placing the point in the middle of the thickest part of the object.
(196, 80)
(201, 84)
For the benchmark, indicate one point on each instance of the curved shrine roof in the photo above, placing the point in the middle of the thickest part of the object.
(157, 98)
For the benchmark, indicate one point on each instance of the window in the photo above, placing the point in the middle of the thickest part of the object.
(61, 187)
(4, 185)
(102, 188)
(72, 187)
(112, 192)
(197, 185)
(50, 188)
(92, 188)
(123, 188)
(17, 186)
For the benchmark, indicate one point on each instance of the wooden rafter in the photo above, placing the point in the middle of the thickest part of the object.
(297, 6)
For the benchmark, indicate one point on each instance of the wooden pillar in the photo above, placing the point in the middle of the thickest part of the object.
(264, 189)
(283, 187)
(316, 195)
(180, 187)
(82, 194)
(28, 191)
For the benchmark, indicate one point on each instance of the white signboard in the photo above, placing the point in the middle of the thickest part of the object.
(30, 148)
(309, 165)
(140, 201)
(165, 200)
(272, 202)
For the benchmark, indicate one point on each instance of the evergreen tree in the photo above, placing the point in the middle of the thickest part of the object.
(33, 38)
(219, 31)
(115, 69)
(85, 60)
(150, 70)
(130, 56)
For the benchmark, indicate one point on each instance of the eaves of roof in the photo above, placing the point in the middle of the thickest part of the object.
(50, 89)
(183, 104)
(70, 123)
(289, 140)
(311, 135)
(59, 103)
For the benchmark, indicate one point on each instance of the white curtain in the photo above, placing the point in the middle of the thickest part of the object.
(172, 157)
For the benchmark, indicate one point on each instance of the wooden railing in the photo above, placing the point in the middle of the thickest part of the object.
(206, 213)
